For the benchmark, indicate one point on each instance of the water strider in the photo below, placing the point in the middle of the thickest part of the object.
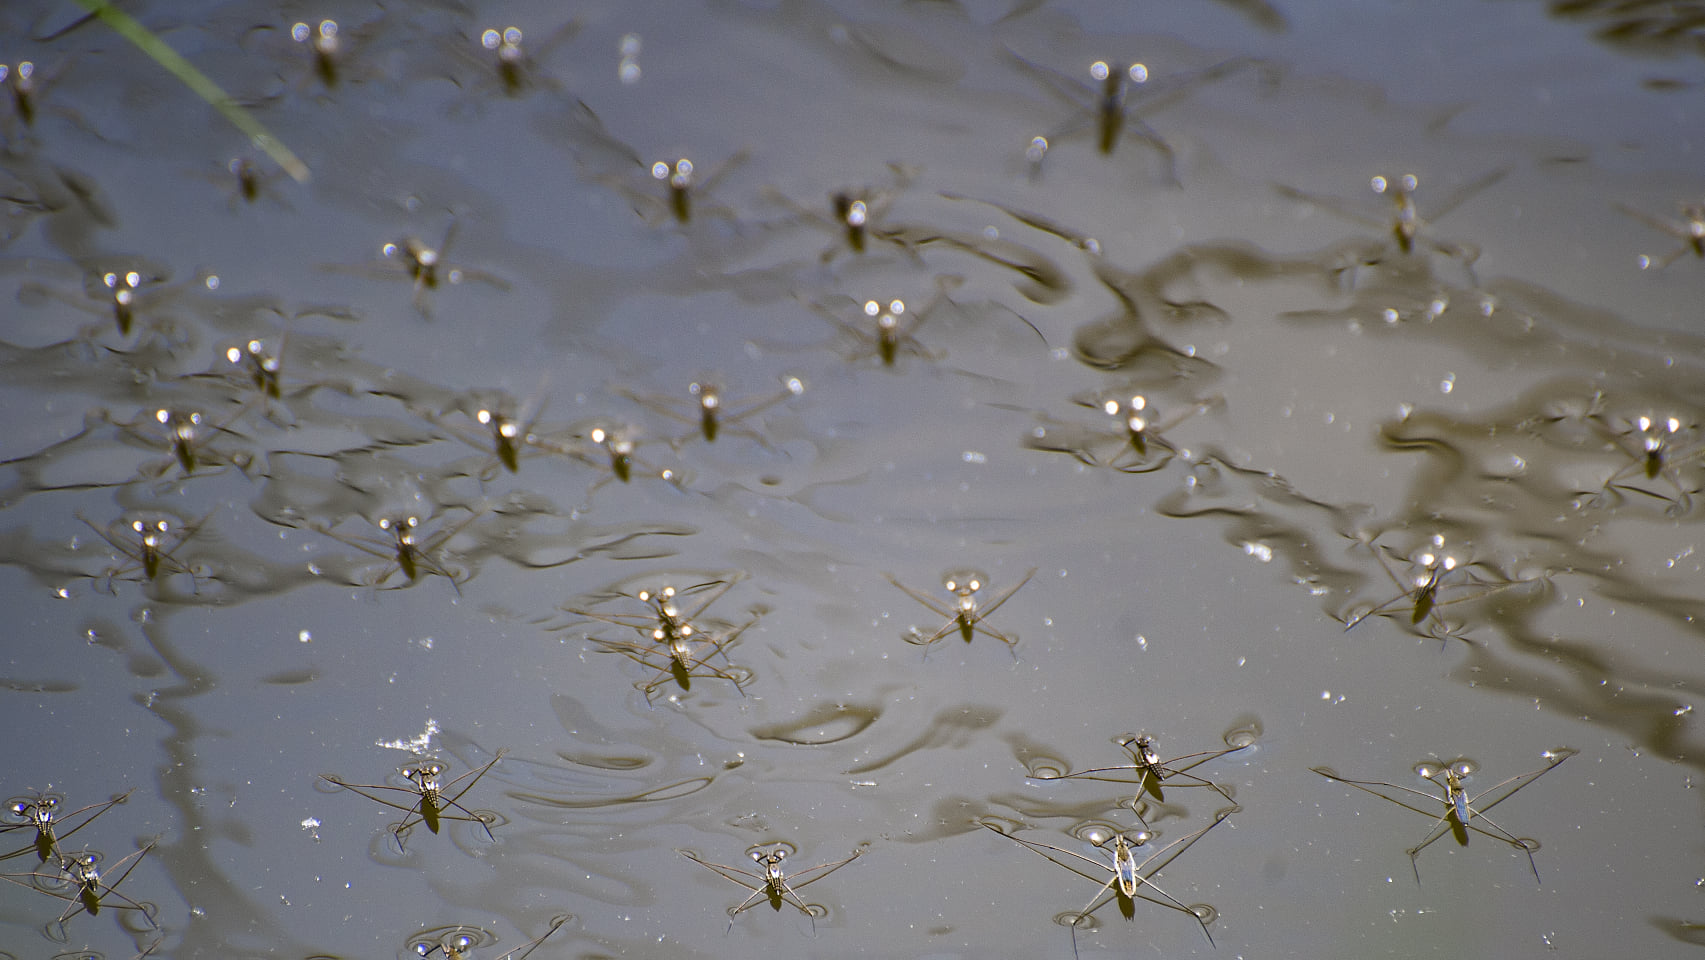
(1107, 105)
(1127, 878)
(433, 800)
(712, 412)
(460, 942)
(965, 618)
(678, 660)
(148, 547)
(1689, 229)
(404, 546)
(770, 883)
(1462, 813)
(41, 813)
(1404, 224)
(425, 266)
(1149, 773)
(93, 891)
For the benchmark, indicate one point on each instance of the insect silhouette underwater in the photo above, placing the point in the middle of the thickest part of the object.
(1462, 813)
(1128, 879)
(433, 800)
(966, 617)
(771, 883)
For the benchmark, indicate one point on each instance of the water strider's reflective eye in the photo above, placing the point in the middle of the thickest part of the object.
(1138, 73)
(1099, 70)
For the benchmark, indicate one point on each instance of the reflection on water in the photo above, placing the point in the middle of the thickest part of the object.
(707, 336)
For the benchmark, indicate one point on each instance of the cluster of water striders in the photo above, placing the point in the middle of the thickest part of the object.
(406, 481)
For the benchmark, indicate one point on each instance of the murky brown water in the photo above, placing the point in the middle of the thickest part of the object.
(1209, 442)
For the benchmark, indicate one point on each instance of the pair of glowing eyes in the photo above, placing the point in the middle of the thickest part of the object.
(886, 319)
(1669, 425)
(1403, 185)
(41, 809)
(680, 175)
(506, 43)
(401, 526)
(453, 946)
(256, 349)
(506, 427)
(123, 286)
(614, 443)
(424, 257)
(151, 535)
(25, 71)
(1101, 71)
(427, 770)
(1457, 770)
(324, 38)
(1430, 560)
(184, 425)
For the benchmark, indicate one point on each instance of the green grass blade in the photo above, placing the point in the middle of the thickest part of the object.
(127, 27)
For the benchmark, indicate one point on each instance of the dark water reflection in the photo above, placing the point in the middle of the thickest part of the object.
(333, 477)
